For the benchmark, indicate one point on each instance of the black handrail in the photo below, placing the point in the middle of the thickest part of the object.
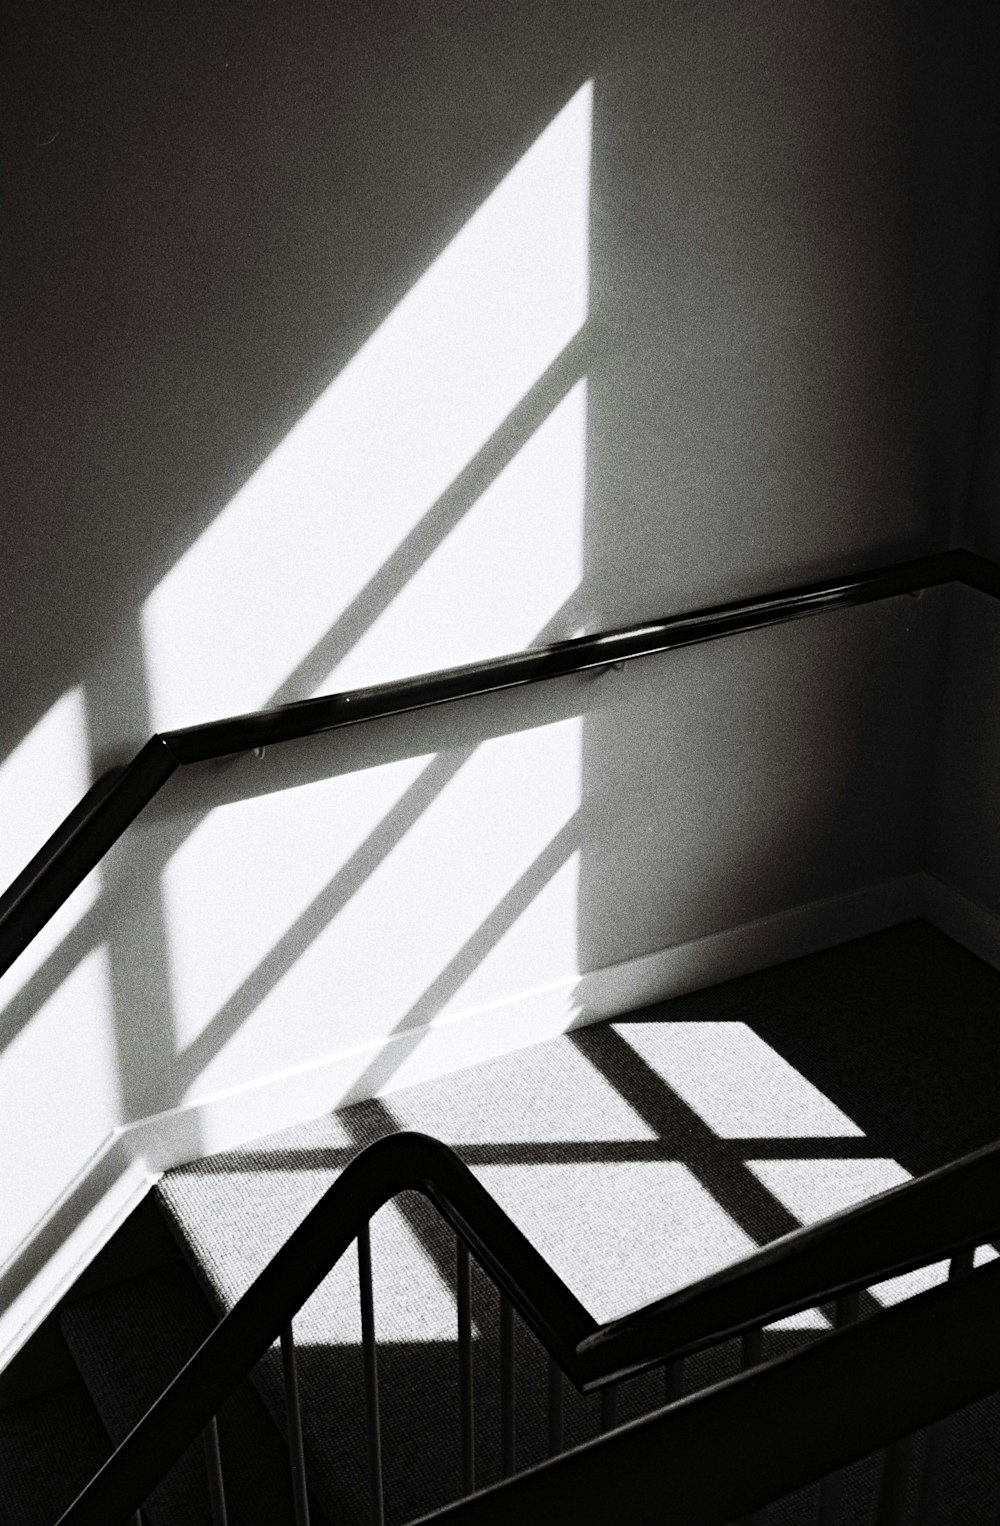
(80, 843)
(911, 1225)
(726, 1452)
(903, 1228)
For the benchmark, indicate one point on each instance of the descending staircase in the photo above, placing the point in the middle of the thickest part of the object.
(621, 1151)
(635, 1158)
(126, 1330)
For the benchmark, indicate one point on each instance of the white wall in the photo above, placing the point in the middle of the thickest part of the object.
(349, 348)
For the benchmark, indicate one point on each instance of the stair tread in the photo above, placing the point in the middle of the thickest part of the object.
(630, 1169)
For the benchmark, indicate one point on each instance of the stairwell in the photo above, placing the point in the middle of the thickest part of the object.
(636, 1155)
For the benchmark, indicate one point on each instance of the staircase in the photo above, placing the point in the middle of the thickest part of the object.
(608, 1176)
(637, 1156)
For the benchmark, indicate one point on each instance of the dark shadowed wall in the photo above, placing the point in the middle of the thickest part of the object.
(964, 826)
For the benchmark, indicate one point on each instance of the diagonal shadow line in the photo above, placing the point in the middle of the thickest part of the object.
(332, 899)
(718, 1164)
(81, 940)
(419, 544)
(712, 1160)
(348, 880)
(559, 1152)
(34, 1253)
(89, 931)
(411, 1030)
(384, 1067)
(361, 613)
(372, 1118)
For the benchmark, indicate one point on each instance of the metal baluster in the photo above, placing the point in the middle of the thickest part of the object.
(555, 1408)
(846, 1309)
(832, 1489)
(465, 1397)
(609, 1408)
(371, 1377)
(932, 1475)
(962, 1265)
(507, 1443)
(751, 1349)
(896, 1464)
(673, 1381)
(296, 1453)
(751, 1354)
(213, 1462)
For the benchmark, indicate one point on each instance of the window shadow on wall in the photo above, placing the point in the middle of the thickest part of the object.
(213, 347)
(519, 428)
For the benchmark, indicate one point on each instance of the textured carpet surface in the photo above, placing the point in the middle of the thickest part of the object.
(635, 1155)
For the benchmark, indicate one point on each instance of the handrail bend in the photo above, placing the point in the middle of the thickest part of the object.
(80, 843)
(953, 1208)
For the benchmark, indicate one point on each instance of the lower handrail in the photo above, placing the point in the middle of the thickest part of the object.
(401, 1162)
(955, 1207)
(732, 1449)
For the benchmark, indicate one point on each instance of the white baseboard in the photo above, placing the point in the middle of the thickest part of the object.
(137, 1154)
(77, 1227)
(962, 918)
(470, 1037)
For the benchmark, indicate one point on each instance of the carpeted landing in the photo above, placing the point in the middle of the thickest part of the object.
(636, 1155)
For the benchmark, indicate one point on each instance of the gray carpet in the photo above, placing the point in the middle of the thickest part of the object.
(636, 1155)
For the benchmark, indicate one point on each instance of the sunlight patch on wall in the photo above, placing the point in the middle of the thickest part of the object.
(40, 783)
(267, 579)
(735, 1082)
(497, 579)
(411, 932)
(515, 998)
(250, 870)
(538, 950)
(59, 1097)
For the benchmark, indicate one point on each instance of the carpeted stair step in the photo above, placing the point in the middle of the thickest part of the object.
(235, 1212)
(129, 1341)
(600, 1222)
(636, 1155)
(51, 1445)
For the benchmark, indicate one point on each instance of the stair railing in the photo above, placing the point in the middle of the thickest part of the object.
(723, 1454)
(79, 844)
(946, 1213)
(920, 1222)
